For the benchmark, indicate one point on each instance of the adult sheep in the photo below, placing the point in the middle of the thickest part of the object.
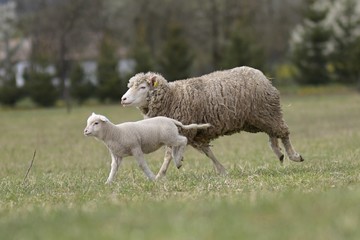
(239, 99)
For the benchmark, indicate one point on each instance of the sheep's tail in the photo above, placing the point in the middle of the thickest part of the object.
(192, 126)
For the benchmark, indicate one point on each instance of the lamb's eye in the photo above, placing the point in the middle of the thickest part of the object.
(96, 123)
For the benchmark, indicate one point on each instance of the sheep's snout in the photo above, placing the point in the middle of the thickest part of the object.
(87, 132)
(123, 100)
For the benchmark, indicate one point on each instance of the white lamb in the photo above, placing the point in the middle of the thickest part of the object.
(137, 138)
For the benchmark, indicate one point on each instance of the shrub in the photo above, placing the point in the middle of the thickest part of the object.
(40, 89)
(10, 94)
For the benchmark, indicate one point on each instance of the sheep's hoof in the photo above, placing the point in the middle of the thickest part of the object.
(179, 166)
(222, 171)
(281, 158)
(301, 159)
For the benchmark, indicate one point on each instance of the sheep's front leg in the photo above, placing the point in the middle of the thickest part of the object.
(166, 163)
(138, 154)
(115, 163)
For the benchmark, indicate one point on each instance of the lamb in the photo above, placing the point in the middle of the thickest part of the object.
(137, 138)
(239, 99)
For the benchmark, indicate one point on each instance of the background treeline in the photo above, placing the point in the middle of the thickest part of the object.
(294, 42)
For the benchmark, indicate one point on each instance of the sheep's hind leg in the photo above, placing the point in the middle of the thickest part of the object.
(166, 163)
(219, 167)
(293, 155)
(178, 150)
(274, 144)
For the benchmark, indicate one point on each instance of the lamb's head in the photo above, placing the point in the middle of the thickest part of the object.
(140, 86)
(94, 125)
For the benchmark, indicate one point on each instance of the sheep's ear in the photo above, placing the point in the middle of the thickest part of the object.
(104, 119)
(153, 81)
(93, 114)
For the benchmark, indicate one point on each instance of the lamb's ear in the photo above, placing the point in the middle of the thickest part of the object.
(104, 119)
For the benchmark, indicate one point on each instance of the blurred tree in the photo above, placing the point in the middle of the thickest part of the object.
(214, 12)
(141, 51)
(8, 21)
(345, 56)
(242, 51)
(176, 58)
(109, 82)
(207, 27)
(39, 87)
(310, 46)
(80, 88)
(68, 32)
(10, 93)
(356, 59)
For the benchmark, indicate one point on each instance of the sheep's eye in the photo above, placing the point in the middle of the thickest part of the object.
(96, 123)
(142, 87)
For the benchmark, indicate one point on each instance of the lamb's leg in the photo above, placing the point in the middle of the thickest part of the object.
(115, 163)
(293, 155)
(138, 154)
(178, 150)
(274, 144)
(165, 165)
(219, 167)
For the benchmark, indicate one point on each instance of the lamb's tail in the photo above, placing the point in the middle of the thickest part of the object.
(192, 126)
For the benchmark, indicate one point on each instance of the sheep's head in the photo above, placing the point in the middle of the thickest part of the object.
(94, 124)
(140, 87)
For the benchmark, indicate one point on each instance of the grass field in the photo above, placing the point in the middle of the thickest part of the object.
(64, 196)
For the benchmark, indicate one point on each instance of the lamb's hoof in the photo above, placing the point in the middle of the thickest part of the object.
(297, 158)
(159, 177)
(179, 163)
(281, 158)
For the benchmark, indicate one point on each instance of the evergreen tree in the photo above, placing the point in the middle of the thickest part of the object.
(310, 46)
(241, 51)
(110, 86)
(141, 52)
(356, 60)
(345, 56)
(80, 88)
(176, 58)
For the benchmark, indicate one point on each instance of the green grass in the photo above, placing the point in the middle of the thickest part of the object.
(64, 196)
